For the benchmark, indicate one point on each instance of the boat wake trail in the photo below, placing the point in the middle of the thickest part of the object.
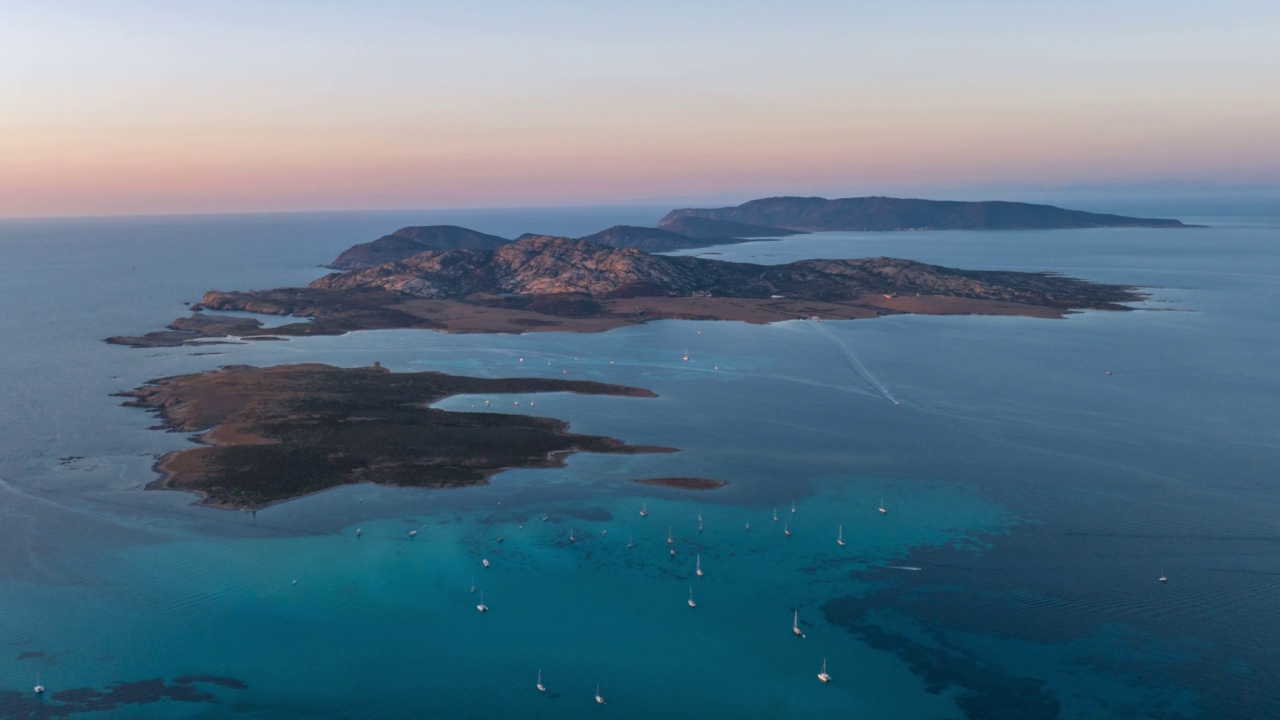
(857, 364)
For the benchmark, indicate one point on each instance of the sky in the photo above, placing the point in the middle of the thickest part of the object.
(123, 107)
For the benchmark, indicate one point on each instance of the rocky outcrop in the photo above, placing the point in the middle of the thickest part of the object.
(813, 214)
(410, 241)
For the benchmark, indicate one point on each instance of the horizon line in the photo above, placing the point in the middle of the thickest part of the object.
(1258, 192)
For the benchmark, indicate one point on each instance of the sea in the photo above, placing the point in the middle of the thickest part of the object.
(1038, 478)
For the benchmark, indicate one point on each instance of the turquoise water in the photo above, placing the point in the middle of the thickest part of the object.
(1038, 497)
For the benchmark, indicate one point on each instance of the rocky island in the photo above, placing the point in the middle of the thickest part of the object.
(549, 283)
(271, 434)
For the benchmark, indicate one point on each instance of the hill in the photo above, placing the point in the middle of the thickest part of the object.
(410, 241)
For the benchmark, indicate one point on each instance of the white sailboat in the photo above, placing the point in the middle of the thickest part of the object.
(571, 535)
(39, 689)
(691, 602)
(840, 535)
(482, 607)
(473, 584)
(629, 541)
(599, 697)
(775, 514)
(1163, 578)
(795, 624)
(644, 510)
(686, 355)
(698, 565)
(670, 539)
(823, 676)
(412, 533)
(882, 510)
(786, 530)
(485, 562)
(793, 507)
(541, 687)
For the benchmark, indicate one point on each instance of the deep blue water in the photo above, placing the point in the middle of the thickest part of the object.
(1035, 498)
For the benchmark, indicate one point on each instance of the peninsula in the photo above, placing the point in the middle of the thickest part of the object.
(549, 283)
(272, 434)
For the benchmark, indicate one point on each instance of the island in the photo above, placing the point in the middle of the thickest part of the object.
(542, 283)
(271, 434)
(815, 214)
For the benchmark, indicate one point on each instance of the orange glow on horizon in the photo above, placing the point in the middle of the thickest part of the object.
(133, 111)
(168, 173)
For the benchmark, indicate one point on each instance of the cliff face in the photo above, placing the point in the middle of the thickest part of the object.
(410, 241)
(883, 213)
(550, 266)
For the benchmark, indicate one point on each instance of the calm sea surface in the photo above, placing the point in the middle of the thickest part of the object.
(1039, 476)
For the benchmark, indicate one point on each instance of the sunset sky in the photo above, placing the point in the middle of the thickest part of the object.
(127, 107)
